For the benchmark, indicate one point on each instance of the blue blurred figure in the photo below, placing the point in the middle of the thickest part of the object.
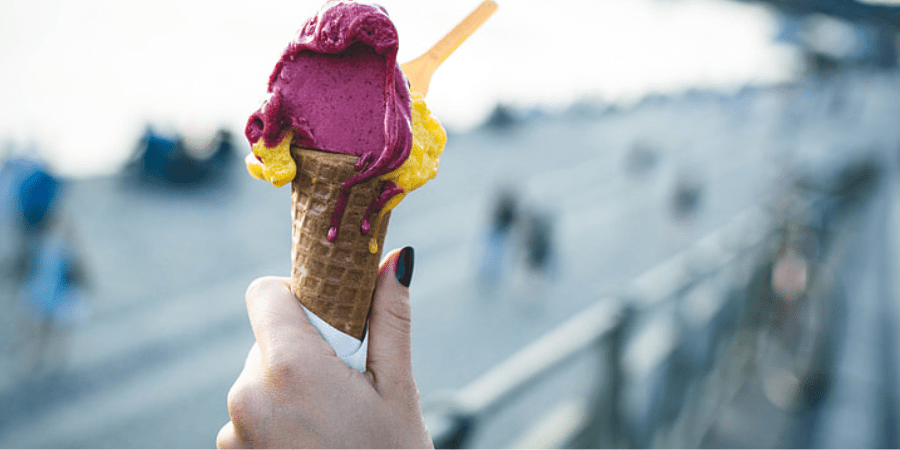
(503, 217)
(28, 194)
(538, 255)
(166, 161)
(37, 192)
(39, 258)
(159, 156)
(538, 242)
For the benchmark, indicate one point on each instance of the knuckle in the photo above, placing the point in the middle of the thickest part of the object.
(240, 404)
(282, 369)
(247, 406)
(400, 319)
(264, 287)
(255, 288)
(226, 438)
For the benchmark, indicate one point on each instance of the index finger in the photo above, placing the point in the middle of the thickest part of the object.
(278, 321)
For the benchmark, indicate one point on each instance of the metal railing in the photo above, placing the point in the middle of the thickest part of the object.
(610, 327)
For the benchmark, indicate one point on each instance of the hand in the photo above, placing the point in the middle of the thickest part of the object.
(295, 392)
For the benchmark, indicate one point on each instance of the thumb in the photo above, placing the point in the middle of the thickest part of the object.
(389, 359)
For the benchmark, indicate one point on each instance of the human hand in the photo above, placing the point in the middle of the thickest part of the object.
(295, 392)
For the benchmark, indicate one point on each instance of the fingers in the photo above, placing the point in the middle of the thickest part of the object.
(279, 323)
(240, 401)
(227, 438)
(389, 358)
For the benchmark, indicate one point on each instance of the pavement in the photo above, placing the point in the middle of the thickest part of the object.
(168, 334)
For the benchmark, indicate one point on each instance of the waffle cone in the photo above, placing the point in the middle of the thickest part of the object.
(334, 280)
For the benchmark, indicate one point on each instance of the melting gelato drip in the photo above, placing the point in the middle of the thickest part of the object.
(429, 139)
(337, 88)
(278, 166)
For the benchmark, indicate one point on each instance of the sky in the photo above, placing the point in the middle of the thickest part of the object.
(80, 81)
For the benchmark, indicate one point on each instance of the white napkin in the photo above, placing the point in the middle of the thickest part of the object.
(347, 347)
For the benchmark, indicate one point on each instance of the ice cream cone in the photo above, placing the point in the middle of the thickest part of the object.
(334, 280)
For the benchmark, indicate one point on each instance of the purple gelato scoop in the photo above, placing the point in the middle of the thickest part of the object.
(339, 88)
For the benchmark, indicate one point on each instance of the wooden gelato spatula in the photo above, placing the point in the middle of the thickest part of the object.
(420, 70)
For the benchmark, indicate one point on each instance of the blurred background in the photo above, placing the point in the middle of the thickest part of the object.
(657, 223)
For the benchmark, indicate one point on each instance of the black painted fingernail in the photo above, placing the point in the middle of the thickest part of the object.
(405, 266)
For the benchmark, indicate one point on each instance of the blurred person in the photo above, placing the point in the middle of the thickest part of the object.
(686, 196)
(504, 216)
(213, 162)
(29, 194)
(164, 160)
(797, 300)
(793, 306)
(537, 255)
(222, 148)
(11, 263)
(501, 119)
(539, 242)
(683, 206)
(55, 290)
(294, 392)
(41, 261)
(154, 156)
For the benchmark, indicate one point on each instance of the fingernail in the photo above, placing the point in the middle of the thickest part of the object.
(405, 266)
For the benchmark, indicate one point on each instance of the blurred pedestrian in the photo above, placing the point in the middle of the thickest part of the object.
(222, 146)
(686, 196)
(42, 264)
(538, 242)
(504, 215)
(169, 161)
(537, 254)
(793, 304)
(29, 194)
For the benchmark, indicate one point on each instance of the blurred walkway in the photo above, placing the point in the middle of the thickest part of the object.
(169, 334)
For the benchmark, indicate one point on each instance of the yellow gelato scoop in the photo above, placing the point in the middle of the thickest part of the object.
(273, 164)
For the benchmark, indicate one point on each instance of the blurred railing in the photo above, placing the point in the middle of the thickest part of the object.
(684, 300)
